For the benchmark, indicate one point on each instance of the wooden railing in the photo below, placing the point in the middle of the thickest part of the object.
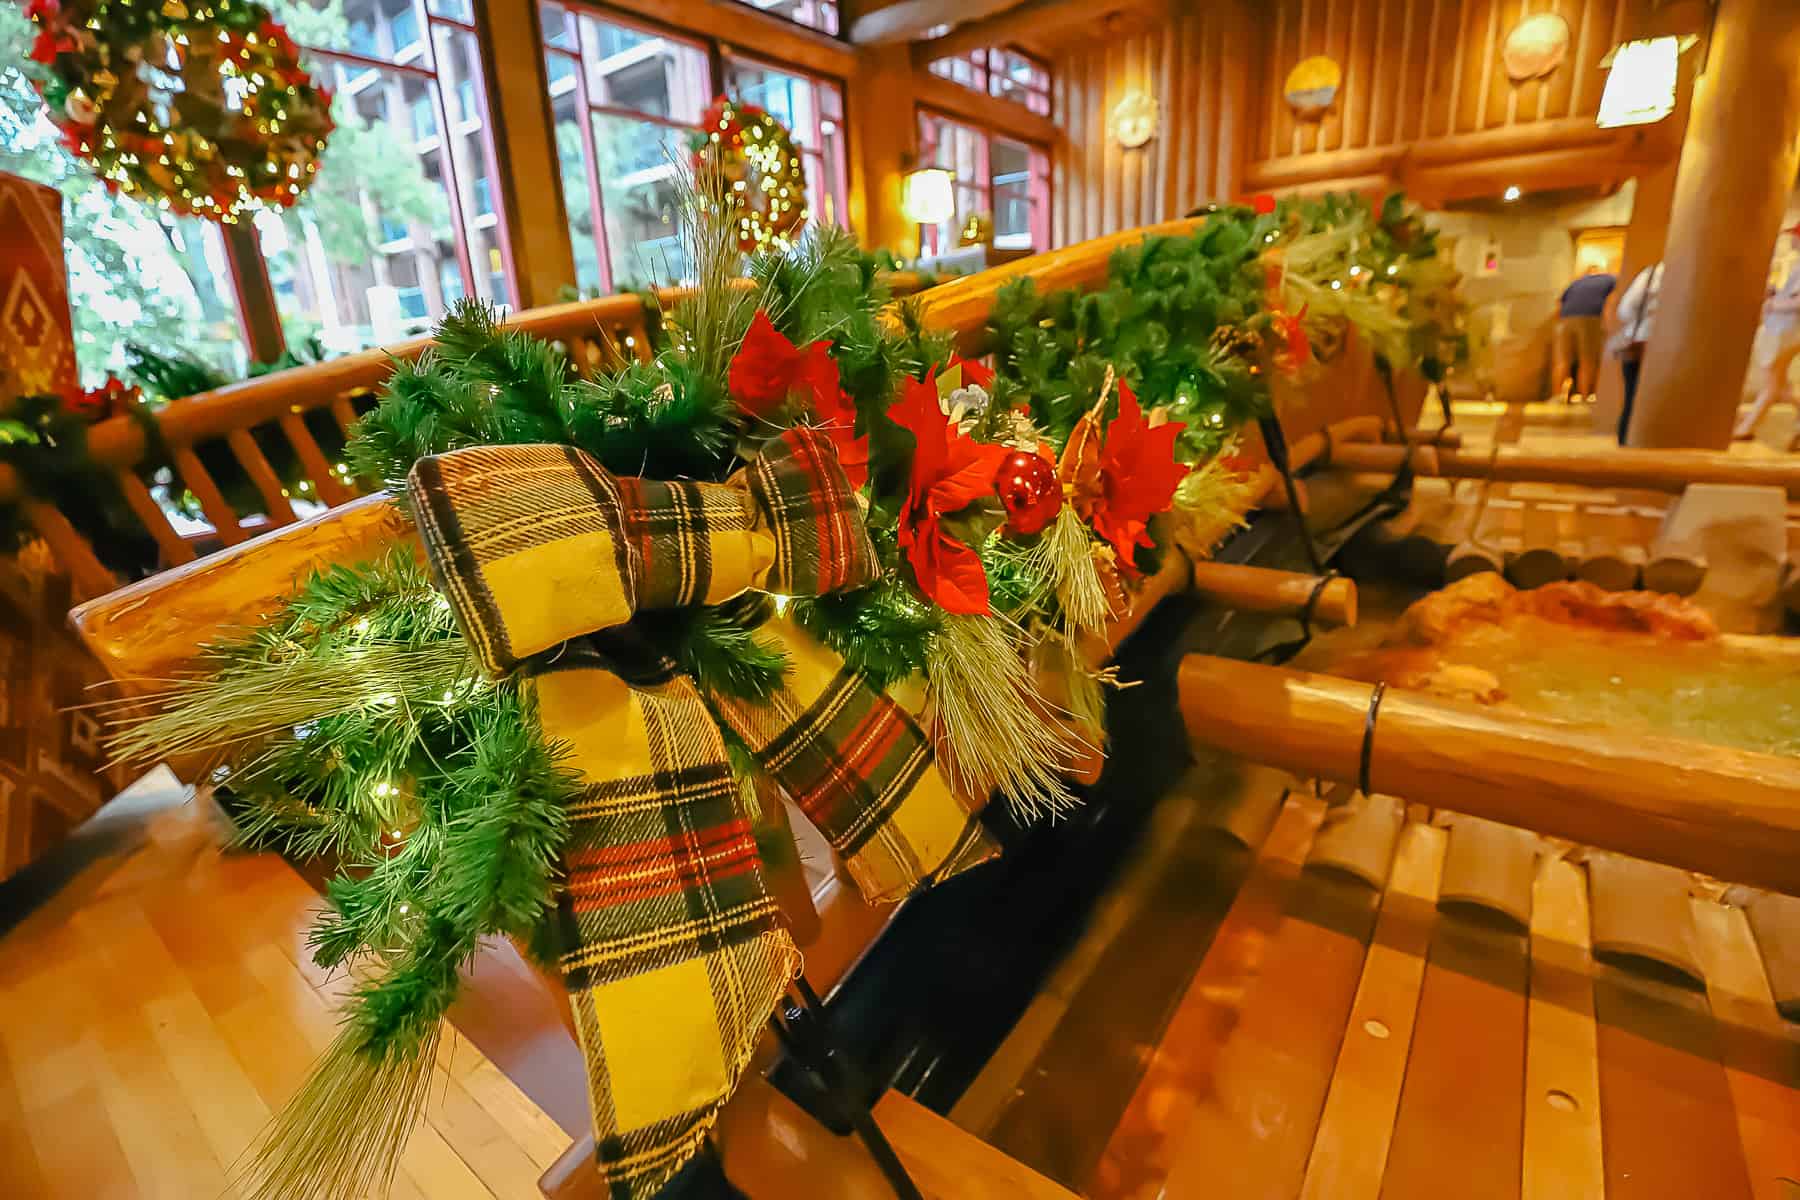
(599, 335)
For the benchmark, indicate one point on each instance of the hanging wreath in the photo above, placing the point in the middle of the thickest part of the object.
(202, 110)
(765, 186)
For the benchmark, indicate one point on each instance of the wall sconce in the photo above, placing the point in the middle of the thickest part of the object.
(927, 197)
(1640, 87)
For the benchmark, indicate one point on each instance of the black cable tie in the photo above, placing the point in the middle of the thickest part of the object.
(1368, 742)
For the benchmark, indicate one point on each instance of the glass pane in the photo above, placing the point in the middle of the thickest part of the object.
(811, 109)
(963, 151)
(637, 193)
(578, 192)
(814, 14)
(361, 260)
(559, 30)
(644, 72)
(384, 29)
(456, 10)
(1017, 195)
(477, 175)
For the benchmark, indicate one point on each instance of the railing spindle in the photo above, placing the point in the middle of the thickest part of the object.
(332, 491)
(256, 465)
(86, 572)
(345, 412)
(174, 547)
(212, 500)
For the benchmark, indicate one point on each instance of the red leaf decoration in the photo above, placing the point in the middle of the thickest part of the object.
(838, 419)
(950, 471)
(1138, 477)
(769, 370)
(973, 373)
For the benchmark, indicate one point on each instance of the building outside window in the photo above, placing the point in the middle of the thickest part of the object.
(999, 177)
(821, 15)
(626, 100)
(1004, 72)
(402, 219)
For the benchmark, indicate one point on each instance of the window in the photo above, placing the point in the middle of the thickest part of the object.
(813, 112)
(1007, 73)
(821, 15)
(999, 177)
(404, 219)
(625, 101)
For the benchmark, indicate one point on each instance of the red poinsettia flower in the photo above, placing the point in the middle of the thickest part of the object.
(51, 42)
(1262, 203)
(1296, 350)
(950, 471)
(769, 371)
(1138, 477)
(837, 417)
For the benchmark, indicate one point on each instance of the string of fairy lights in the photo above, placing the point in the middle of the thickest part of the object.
(200, 109)
(766, 184)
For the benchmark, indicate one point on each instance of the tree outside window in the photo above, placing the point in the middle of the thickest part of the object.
(135, 274)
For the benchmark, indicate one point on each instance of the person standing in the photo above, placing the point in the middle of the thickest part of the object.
(1781, 326)
(1636, 316)
(1580, 333)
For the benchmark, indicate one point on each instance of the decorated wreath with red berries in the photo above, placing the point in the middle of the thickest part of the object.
(200, 107)
(765, 185)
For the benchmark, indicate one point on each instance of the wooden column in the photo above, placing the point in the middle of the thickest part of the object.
(258, 317)
(537, 225)
(884, 137)
(1737, 169)
(1654, 196)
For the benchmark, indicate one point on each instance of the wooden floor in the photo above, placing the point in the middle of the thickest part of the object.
(160, 1002)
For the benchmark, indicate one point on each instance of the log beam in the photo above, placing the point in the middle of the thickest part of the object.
(1730, 813)
(1652, 470)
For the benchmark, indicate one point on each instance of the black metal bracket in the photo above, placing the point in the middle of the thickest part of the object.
(830, 1087)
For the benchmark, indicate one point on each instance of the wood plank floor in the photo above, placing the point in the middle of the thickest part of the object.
(157, 1003)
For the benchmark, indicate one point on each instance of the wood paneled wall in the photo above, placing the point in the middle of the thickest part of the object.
(1200, 65)
(1421, 69)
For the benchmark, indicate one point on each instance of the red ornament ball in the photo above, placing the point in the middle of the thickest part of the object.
(1029, 491)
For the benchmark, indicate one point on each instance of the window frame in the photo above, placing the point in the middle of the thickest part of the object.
(985, 77)
(717, 52)
(1037, 184)
(422, 64)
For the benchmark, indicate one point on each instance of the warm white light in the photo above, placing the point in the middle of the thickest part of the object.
(1512, 193)
(1640, 88)
(926, 197)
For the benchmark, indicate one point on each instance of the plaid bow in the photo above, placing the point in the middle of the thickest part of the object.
(672, 948)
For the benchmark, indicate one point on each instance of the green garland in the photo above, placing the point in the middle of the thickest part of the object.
(356, 722)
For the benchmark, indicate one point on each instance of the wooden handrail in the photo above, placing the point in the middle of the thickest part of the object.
(1650, 470)
(1730, 813)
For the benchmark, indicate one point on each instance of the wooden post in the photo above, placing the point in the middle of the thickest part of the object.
(1737, 169)
(537, 226)
(1654, 194)
(257, 315)
(882, 113)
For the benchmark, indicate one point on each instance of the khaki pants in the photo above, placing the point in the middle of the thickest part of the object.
(1577, 355)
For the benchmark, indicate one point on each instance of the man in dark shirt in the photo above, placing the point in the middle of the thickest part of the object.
(1580, 333)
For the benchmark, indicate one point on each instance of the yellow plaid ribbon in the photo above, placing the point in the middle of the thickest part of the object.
(673, 950)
